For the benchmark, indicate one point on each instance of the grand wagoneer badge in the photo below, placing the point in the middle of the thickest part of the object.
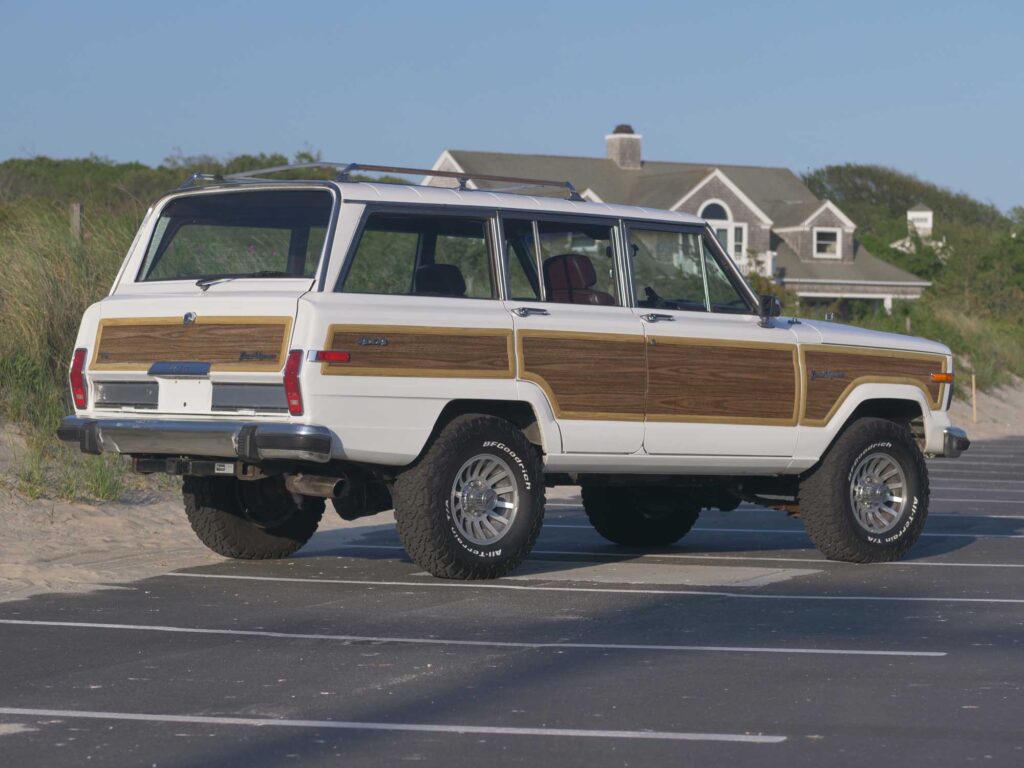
(815, 375)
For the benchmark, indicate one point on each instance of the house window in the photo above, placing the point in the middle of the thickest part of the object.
(715, 211)
(739, 242)
(828, 243)
(731, 234)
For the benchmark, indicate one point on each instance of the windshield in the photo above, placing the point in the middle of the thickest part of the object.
(265, 233)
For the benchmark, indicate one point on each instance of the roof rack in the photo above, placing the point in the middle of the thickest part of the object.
(345, 170)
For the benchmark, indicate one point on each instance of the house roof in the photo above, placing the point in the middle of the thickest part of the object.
(777, 191)
(865, 268)
(920, 207)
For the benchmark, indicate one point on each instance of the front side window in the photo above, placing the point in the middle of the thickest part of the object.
(723, 295)
(678, 270)
(422, 255)
(667, 270)
(279, 233)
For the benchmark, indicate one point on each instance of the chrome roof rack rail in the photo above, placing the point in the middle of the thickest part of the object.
(195, 178)
(345, 171)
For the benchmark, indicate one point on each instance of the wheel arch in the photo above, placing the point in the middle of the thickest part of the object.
(902, 404)
(519, 412)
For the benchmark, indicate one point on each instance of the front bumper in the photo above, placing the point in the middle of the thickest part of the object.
(249, 441)
(954, 442)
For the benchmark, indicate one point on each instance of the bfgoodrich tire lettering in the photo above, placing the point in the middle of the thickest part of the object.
(426, 507)
(253, 520)
(828, 509)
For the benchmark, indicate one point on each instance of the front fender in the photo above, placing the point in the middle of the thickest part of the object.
(813, 441)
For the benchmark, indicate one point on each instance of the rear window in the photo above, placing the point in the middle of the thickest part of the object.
(278, 233)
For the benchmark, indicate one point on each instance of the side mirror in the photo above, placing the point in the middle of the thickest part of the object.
(767, 308)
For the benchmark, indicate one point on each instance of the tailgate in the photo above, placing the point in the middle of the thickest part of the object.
(214, 353)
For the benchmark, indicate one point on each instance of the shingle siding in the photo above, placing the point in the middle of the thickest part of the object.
(758, 235)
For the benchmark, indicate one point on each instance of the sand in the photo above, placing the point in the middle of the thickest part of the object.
(1000, 413)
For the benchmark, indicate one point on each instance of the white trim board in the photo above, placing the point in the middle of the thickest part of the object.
(829, 281)
(716, 173)
(847, 224)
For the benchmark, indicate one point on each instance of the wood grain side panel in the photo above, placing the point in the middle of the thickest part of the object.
(830, 375)
(227, 343)
(586, 376)
(379, 350)
(723, 383)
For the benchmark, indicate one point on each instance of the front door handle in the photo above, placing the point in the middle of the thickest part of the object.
(527, 311)
(654, 317)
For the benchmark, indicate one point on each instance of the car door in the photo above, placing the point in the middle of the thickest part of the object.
(418, 317)
(577, 340)
(719, 383)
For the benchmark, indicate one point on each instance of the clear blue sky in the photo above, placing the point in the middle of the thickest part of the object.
(932, 88)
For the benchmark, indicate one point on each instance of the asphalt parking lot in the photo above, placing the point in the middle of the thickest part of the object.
(739, 646)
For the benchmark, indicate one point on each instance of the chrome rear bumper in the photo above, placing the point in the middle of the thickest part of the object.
(249, 441)
(954, 442)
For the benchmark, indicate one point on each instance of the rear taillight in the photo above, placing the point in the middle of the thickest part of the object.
(292, 390)
(77, 379)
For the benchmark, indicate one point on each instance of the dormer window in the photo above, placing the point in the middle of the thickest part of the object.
(828, 243)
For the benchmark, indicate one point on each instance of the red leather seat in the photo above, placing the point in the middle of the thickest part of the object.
(570, 279)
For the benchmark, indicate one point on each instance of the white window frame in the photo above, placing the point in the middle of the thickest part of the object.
(838, 231)
(730, 225)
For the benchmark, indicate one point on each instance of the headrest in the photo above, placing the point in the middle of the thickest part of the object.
(569, 272)
(441, 279)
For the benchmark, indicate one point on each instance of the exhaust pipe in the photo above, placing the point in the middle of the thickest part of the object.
(316, 485)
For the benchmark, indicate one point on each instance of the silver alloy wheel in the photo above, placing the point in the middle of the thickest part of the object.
(878, 493)
(484, 499)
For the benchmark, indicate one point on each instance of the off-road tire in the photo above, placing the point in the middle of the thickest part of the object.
(639, 517)
(251, 520)
(825, 505)
(422, 498)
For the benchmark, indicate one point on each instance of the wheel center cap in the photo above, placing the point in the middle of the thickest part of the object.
(479, 498)
(872, 493)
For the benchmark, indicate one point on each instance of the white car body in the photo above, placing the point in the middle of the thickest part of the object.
(386, 417)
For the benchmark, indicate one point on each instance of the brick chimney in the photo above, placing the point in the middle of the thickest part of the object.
(624, 147)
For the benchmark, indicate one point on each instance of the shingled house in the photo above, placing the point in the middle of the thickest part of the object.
(767, 218)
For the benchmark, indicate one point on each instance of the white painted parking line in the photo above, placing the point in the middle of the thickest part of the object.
(768, 510)
(352, 725)
(801, 532)
(985, 480)
(975, 517)
(975, 499)
(469, 643)
(758, 558)
(607, 590)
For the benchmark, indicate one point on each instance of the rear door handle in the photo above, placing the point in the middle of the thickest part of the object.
(527, 311)
(654, 317)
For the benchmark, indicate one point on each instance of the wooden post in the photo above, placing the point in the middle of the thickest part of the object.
(974, 399)
(75, 213)
(910, 328)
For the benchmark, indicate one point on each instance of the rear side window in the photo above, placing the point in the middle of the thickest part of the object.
(423, 255)
(578, 263)
(279, 233)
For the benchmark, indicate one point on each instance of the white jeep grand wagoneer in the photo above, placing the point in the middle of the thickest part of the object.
(451, 353)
